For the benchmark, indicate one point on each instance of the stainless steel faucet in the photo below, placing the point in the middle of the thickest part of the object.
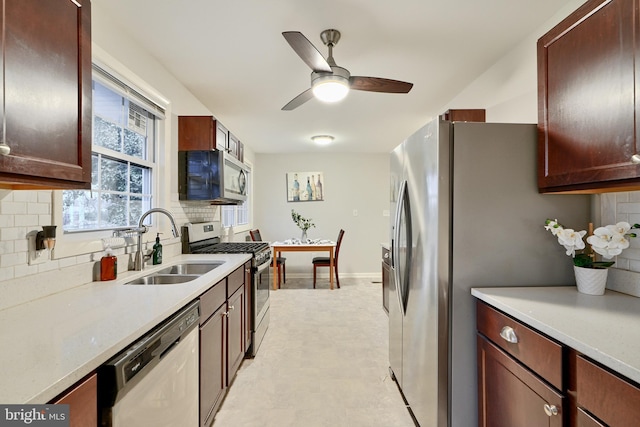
(138, 263)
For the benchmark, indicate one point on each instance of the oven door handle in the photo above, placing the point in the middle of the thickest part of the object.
(262, 267)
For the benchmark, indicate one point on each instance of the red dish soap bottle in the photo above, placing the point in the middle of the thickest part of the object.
(108, 265)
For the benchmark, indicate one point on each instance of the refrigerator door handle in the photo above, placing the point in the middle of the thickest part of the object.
(401, 288)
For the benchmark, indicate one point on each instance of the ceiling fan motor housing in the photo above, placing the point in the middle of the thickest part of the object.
(339, 74)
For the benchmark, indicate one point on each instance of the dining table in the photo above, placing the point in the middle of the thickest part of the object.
(295, 245)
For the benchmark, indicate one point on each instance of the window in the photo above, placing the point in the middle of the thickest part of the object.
(125, 129)
(239, 215)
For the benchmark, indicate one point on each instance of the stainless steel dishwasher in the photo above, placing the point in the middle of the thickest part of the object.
(154, 382)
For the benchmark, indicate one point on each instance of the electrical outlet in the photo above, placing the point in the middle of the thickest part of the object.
(385, 212)
(355, 212)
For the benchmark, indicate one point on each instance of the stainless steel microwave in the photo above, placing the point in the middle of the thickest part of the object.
(213, 176)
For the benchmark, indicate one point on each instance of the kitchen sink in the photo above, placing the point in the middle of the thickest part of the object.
(175, 274)
(163, 279)
(191, 268)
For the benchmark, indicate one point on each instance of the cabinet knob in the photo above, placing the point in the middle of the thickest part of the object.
(635, 158)
(232, 307)
(4, 149)
(509, 334)
(225, 314)
(550, 410)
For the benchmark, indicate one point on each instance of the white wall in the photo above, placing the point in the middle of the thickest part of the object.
(508, 90)
(351, 182)
(22, 212)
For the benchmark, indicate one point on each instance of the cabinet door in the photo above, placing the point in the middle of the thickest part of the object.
(213, 361)
(587, 98)
(222, 137)
(235, 333)
(612, 399)
(196, 133)
(83, 402)
(233, 145)
(46, 88)
(511, 395)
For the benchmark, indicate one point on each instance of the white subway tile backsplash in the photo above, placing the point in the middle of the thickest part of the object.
(6, 220)
(623, 206)
(44, 196)
(39, 208)
(12, 259)
(25, 212)
(25, 196)
(6, 274)
(13, 233)
(26, 221)
(13, 208)
(627, 208)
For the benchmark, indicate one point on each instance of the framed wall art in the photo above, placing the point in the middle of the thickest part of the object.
(305, 186)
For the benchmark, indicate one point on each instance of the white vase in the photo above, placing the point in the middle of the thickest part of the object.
(591, 281)
(303, 239)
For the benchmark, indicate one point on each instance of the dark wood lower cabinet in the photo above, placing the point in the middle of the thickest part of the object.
(213, 362)
(518, 384)
(612, 399)
(223, 323)
(511, 395)
(235, 333)
(586, 420)
(82, 399)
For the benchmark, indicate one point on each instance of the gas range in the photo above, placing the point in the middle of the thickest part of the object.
(204, 238)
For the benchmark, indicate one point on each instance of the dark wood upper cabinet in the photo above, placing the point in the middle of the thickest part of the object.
(588, 98)
(201, 133)
(46, 89)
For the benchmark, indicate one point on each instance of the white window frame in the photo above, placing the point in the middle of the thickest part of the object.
(87, 242)
(246, 208)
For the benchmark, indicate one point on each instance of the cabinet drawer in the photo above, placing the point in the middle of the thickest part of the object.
(539, 353)
(235, 281)
(607, 396)
(586, 420)
(511, 395)
(212, 299)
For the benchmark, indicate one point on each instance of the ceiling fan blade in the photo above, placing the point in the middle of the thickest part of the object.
(377, 84)
(298, 100)
(307, 51)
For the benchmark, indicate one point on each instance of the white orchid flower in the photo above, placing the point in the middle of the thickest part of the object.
(553, 227)
(620, 228)
(609, 241)
(571, 240)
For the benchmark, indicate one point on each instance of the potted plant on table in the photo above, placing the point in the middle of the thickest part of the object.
(303, 223)
(608, 241)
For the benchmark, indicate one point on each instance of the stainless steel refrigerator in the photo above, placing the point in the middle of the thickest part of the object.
(467, 214)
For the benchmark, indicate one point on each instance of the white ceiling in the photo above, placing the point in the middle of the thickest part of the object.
(231, 55)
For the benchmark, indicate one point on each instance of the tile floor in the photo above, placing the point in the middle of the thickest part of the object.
(323, 362)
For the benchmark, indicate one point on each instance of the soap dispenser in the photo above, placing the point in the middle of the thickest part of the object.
(108, 265)
(157, 251)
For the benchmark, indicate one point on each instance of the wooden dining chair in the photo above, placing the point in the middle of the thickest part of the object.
(324, 261)
(282, 270)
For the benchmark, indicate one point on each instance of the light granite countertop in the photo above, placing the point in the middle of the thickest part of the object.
(50, 343)
(605, 328)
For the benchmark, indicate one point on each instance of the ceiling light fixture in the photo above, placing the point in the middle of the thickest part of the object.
(322, 139)
(330, 87)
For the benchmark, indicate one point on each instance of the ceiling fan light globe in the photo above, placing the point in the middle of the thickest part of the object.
(330, 90)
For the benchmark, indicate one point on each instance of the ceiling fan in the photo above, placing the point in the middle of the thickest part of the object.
(329, 82)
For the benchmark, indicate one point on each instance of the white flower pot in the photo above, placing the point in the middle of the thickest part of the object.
(591, 281)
